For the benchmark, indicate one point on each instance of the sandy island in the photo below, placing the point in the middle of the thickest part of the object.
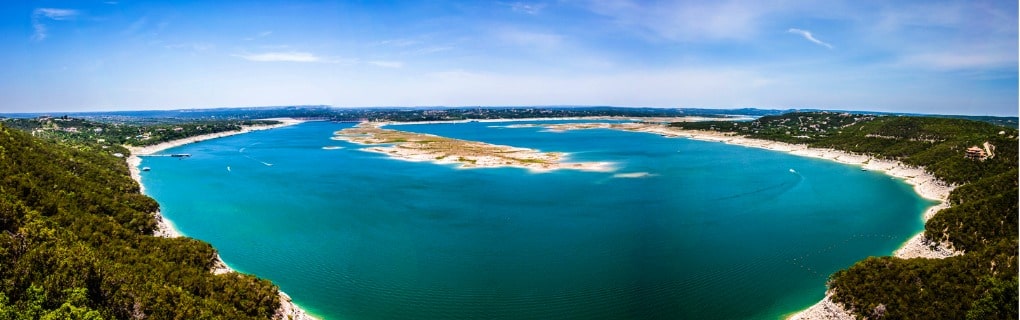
(165, 228)
(467, 154)
(925, 184)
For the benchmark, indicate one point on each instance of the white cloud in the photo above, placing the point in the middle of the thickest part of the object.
(527, 8)
(56, 14)
(41, 15)
(807, 35)
(386, 64)
(281, 57)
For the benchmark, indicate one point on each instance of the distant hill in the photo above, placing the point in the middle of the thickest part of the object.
(453, 113)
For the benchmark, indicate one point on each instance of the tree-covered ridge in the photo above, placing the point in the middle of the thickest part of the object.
(982, 222)
(76, 243)
(79, 132)
(938, 144)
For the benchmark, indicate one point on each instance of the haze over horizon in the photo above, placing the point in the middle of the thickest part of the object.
(942, 57)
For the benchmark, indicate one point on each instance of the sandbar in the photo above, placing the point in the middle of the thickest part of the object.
(466, 154)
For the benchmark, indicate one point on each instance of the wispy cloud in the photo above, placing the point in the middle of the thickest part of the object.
(262, 34)
(807, 35)
(137, 25)
(531, 39)
(398, 42)
(969, 60)
(292, 56)
(194, 46)
(527, 8)
(386, 64)
(429, 50)
(41, 15)
(686, 20)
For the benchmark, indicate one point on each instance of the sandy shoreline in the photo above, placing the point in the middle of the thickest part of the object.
(288, 310)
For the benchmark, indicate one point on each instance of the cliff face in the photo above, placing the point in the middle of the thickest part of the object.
(76, 242)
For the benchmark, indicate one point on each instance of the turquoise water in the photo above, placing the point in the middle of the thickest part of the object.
(713, 231)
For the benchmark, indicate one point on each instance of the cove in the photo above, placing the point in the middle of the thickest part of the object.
(682, 229)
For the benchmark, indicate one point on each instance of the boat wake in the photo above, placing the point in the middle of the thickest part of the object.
(260, 161)
(769, 192)
(634, 175)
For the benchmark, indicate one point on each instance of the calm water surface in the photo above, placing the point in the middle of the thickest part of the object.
(711, 231)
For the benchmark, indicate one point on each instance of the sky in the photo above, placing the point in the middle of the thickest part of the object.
(941, 57)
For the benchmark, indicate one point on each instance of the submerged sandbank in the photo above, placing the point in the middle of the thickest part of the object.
(288, 309)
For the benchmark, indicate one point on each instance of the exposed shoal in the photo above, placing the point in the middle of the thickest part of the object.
(165, 228)
(411, 146)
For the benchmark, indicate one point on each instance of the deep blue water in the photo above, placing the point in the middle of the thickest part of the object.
(714, 231)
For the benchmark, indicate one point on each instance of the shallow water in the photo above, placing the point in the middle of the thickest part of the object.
(683, 228)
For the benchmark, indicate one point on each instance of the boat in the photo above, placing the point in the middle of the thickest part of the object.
(146, 168)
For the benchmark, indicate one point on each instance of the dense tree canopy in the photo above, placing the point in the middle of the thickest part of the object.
(76, 243)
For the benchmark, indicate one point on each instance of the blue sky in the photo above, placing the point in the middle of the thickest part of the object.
(949, 57)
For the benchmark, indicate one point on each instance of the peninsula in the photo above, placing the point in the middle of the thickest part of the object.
(466, 154)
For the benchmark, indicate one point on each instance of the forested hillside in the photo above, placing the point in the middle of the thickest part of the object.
(75, 243)
(112, 134)
(982, 222)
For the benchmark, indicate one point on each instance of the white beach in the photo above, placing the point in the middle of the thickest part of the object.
(288, 310)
